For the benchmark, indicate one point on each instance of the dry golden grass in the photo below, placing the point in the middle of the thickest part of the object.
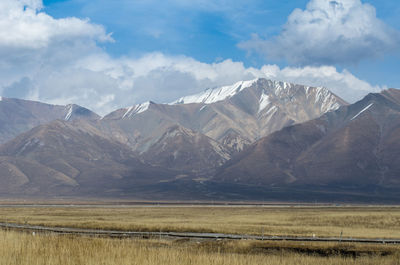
(372, 222)
(21, 248)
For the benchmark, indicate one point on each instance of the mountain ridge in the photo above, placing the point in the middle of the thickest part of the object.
(354, 146)
(247, 109)
(19, 115)
(263, 140)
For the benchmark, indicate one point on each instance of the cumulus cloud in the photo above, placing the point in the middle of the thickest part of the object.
(329, 32)
(154, 76)
(105, 84)
(23, 26)
(59, 61)
(31, 40)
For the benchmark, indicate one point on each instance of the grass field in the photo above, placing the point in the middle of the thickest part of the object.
(365, 222)
(18, 248)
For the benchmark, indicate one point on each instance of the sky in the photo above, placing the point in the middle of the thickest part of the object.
(106, 55)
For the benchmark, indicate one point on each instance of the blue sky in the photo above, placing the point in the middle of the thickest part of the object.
(158, 50)
(204, 34)
(208, 34)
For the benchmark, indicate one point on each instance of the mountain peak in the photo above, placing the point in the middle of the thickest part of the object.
(268, 91)
(287, 93)
(76, 112)
(136, 109)
(213, 95)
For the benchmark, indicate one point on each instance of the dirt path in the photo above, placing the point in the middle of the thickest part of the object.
(212, 236)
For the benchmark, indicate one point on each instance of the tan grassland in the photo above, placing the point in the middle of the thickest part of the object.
(18, 248)
(365, 222)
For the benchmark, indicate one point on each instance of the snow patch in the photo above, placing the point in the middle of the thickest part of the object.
(136, 109)
(264, 102)
(321, 92)
(217, 94)
(1, 98)
(282, 89)
(322, 96)
(128, 111)
(273, 109)
(307, 89)
(31, 142)
(327, 100)
(364, 109)
(68, 116)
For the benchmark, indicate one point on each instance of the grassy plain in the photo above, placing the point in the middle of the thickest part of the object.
(18, 248)
(365, 222)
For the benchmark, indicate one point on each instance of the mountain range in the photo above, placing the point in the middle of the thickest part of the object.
(353, 150)
(253, 140)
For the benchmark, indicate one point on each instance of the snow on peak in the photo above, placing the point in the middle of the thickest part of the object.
(321, 95)
(289, 92)
(1, 98)
(364, 109)
(68, 116)
(280, 88)
(217, 94)
(326, 98)
(136, 109)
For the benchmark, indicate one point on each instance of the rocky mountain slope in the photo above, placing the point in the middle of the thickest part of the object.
(18, 116)
(229, 119)
(356, 147)
(234, 115)
(242, 141)
(72, 158)
(186, 150)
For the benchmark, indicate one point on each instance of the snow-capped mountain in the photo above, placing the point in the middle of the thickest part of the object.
(279, 90)
(216, 94)
(234, 115)
(136, 109)
(254, 138)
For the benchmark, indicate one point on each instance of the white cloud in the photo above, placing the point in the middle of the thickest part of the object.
(162, 78)
(105, 84)
(329, 32)
(60, 62)
(23, 26)
(32, 41)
